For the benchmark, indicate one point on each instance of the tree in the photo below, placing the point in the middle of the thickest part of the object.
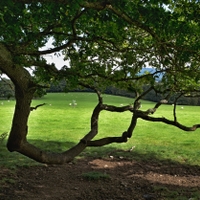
(107, 43)
(6, 88)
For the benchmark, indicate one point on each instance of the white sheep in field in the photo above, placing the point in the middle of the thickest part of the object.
(74, 103)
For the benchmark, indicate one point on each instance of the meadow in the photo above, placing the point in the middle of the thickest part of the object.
(57, 126)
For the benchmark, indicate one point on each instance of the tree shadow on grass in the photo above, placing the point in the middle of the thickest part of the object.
(145, 177)
(156, 177)
(153, 180)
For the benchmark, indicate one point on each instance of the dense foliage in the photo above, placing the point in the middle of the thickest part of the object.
(107, 43)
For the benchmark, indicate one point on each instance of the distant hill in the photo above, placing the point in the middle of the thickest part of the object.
(151, 71)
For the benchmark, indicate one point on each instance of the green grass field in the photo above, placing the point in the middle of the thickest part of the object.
(57, 126)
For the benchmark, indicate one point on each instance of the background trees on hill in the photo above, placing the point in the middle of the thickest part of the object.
(6, 88)
(107, 43)
(150, 96)
(7, 92)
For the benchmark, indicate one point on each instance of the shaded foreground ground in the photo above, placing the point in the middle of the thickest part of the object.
(118, 179)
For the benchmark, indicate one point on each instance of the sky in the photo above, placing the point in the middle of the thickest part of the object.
(51, 58)
(58, 60)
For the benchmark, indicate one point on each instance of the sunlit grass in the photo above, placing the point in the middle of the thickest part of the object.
(57, 126)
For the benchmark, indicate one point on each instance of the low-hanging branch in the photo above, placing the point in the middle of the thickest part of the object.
(34, 108)
(107, 140)
(116, 108)
(137, 114)
(125, 135)
(123, 138)
(167, 121)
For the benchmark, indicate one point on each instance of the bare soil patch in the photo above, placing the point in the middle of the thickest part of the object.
(128, 180)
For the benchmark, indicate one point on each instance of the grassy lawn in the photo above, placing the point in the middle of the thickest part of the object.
(57, 126)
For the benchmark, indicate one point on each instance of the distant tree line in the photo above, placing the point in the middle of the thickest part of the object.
(151, 96)
(183, 100)
(6, 88)
(7, 92)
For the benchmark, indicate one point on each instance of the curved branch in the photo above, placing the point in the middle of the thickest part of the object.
(74, 21)
(151, 111)
(35, 108)
(163, 101)
(138, 97)
(117, 109)
(49, 51)
(124, 137)
(170, 122)
(107, 140)
(174, 109)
